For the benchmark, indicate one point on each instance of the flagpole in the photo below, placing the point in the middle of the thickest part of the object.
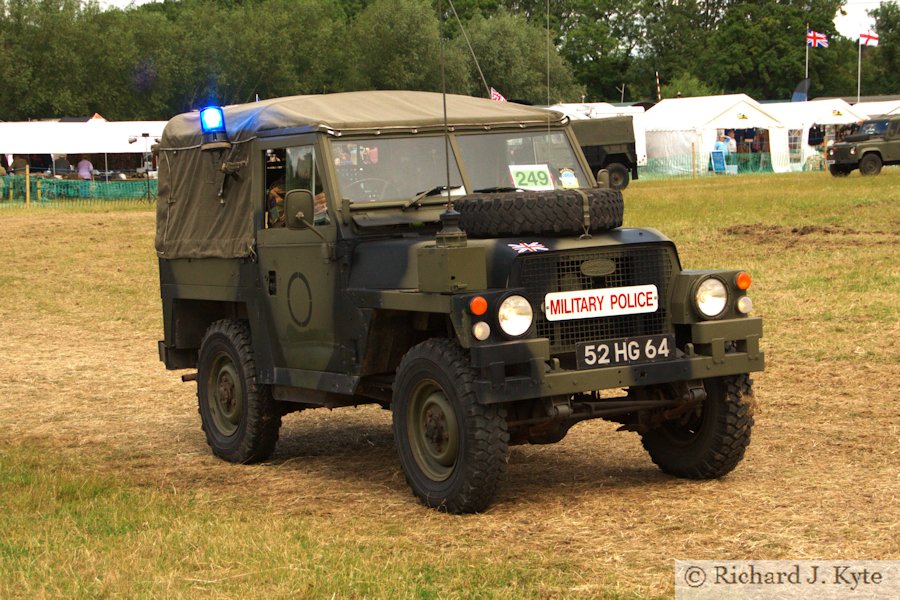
(806, 72)
(859, 69)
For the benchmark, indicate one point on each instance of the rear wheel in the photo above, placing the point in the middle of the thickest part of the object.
(870, 164)
(618, 176)
(710, 441)
(453, 450)
(239, 416)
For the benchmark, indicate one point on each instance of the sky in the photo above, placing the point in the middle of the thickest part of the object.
(854, 23)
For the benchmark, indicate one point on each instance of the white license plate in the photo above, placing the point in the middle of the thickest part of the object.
(829, 162)
(605, 302)
(625, 351)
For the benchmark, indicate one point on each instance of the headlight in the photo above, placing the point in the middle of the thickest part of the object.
(711, 297)
(515, 316)
(852, 150)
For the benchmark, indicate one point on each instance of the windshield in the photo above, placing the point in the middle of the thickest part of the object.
(393, 168)
(873, 127)
(542, 160)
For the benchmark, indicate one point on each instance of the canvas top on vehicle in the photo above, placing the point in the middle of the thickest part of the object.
(192, 179)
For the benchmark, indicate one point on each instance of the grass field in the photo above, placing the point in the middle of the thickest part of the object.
(107, 487)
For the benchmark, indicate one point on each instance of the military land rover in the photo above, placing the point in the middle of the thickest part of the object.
(456, 265)
(876, 143)
(609, 144)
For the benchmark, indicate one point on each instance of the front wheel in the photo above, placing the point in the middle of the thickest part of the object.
(239, 416)
(870, 164)
(452, 449)
(710, 441)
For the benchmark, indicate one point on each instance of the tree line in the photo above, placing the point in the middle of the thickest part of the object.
(72, 58)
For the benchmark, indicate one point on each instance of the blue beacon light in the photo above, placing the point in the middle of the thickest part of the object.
(212, 125)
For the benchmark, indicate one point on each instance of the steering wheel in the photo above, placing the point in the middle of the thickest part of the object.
(372, 188)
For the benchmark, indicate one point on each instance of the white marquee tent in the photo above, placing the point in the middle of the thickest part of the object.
(798, 117)
(681, 132)
(873, 109)
(93, 137)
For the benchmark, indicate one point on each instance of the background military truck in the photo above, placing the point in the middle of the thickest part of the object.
(308, 258)
(876, 143)
(608, 143)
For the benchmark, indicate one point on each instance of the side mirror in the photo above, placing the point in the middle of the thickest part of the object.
(603, 178)
(299, 209)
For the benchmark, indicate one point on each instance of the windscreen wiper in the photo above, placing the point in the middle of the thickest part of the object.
(416, 200)
(500, 189)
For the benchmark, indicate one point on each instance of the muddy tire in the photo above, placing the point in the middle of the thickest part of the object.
(709, 442)
(618, 176)
(453, 451)
(239, 416)
(838, 171)
(870, 164)
(558, 212)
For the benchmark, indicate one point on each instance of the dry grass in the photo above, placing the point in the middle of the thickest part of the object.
(109, 488)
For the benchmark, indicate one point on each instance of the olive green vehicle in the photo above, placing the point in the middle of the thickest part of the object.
(309, 256)
(876, 143)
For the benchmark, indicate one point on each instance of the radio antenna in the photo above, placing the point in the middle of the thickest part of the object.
(450, 233)
(548, 64)
(444, 100)
(487, 88)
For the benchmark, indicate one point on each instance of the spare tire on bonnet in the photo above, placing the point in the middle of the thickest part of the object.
(545, 212)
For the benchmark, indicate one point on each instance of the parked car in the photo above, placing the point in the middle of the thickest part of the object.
(876, 143)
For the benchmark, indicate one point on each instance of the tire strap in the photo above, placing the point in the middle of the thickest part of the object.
(585, 215)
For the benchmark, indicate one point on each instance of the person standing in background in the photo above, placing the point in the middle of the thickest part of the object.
(61, 165)
(18, 165)
(85, 169)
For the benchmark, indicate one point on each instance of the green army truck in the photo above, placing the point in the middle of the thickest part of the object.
(876, 143)
(608, 143)
(459, 267)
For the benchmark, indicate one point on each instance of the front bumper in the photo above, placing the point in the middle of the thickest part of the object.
(523, 369)
(842, 162)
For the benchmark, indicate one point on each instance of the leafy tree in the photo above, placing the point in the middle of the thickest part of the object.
(686, 85)
(759, 47)
(883, 77)
(395, 44)
(514, 58)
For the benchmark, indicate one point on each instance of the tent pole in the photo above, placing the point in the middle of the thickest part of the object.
(693, 160)
(106, 166)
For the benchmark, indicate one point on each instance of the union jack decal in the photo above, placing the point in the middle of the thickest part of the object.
(523, 247)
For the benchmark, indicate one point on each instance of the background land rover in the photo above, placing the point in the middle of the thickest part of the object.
(307, 258)
(876, 143)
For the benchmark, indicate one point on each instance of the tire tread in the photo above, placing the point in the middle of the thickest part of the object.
(730, 438)
(263, 421)
(487, 435)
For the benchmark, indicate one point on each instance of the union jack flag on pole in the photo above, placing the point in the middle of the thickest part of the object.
(495, 95)
(814, 39)
(868, 39)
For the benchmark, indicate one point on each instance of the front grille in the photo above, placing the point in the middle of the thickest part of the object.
(546, 272)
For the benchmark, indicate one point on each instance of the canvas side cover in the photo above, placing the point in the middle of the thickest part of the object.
(605, 131)
(192, 220)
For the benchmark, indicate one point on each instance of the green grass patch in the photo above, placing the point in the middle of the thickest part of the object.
(72, 533)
